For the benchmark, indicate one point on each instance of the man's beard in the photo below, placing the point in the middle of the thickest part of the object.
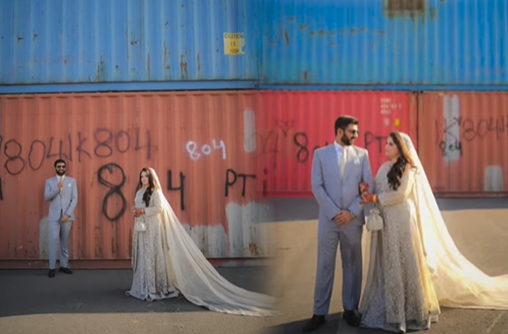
(346, 141)
(60, 173)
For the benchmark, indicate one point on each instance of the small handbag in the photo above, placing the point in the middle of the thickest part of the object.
(374, 221)
(139, 226)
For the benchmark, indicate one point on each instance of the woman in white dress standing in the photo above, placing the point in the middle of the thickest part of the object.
(150, 281)
(414, 264)
(399, 294)
(175, 254)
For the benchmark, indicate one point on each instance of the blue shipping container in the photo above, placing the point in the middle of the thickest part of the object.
(126, 41)
(385, 43)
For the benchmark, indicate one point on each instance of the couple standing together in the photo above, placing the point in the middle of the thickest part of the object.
(414, 265)
(165, 259)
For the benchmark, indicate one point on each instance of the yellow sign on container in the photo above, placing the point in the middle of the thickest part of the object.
(234, 44)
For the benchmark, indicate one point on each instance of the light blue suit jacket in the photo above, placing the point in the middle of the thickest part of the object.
(61, 202)
(335, 193)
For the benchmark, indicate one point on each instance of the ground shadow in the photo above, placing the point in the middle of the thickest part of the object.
(28, 292)
(335, 325)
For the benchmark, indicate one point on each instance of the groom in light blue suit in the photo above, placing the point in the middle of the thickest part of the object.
(337, 171)
(62, 193)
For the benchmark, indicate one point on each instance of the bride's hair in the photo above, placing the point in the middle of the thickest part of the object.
(395, 173)
(151, 185)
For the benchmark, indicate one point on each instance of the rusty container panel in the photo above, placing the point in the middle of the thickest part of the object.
(299, 122)
(463, 142)
(127, 41)
(193, 140)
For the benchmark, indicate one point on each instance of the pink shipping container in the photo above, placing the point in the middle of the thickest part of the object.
(463, 143)
(191, 139)
(300, 122)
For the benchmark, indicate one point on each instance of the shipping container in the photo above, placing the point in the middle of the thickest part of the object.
(121, 44)
(388, 44)
(193, 140)
(297, 123)
(463, 142)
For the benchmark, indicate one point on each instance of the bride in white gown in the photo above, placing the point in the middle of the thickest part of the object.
(406, 294)
(167, 261)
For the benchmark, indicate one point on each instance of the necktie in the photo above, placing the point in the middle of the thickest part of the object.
(343, 162)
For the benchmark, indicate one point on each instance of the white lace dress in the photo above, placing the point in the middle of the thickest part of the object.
(149, 280)
(399, 290)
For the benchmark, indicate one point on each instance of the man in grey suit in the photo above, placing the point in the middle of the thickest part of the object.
(62, 193)
(337, 171)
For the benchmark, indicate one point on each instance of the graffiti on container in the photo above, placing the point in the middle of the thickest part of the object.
(195, 153)
(180, 188)
(121, 141)
(372, 139)
(451, 134)
(114, 189)
(285, 125)
(106, 143)
(232, 181)
(301, 146)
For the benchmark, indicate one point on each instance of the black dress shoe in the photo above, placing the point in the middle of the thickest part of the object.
(352, 318)
(314, 323)
(51, 273)
(66, 270)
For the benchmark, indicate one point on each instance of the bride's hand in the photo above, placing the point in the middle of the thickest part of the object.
(368, 198)
(363, 187)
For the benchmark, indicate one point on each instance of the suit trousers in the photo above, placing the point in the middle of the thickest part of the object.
(59, 233)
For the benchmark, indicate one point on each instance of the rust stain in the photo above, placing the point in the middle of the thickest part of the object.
(303, 27)
(199, 62)
(253, 249)
(342, 31)
(148, 65)
(312, 33)
(100, 70)
(183, 67)
(286, 37)
(305, 75)
(353, 31)
(433, 12)
(322, 33)
(166, 57)
(291, 19)
(404, 8)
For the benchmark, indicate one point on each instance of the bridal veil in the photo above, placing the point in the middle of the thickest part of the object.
(191, 273)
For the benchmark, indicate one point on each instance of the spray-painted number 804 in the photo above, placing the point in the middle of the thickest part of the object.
(196, 152)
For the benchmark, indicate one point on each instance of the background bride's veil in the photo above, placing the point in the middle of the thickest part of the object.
(191, 273)
(457, 282)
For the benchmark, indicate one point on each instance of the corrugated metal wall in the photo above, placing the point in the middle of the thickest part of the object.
(95, 41)
(385, 43)
(463, 142)
(299, 122)
(211, 178)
